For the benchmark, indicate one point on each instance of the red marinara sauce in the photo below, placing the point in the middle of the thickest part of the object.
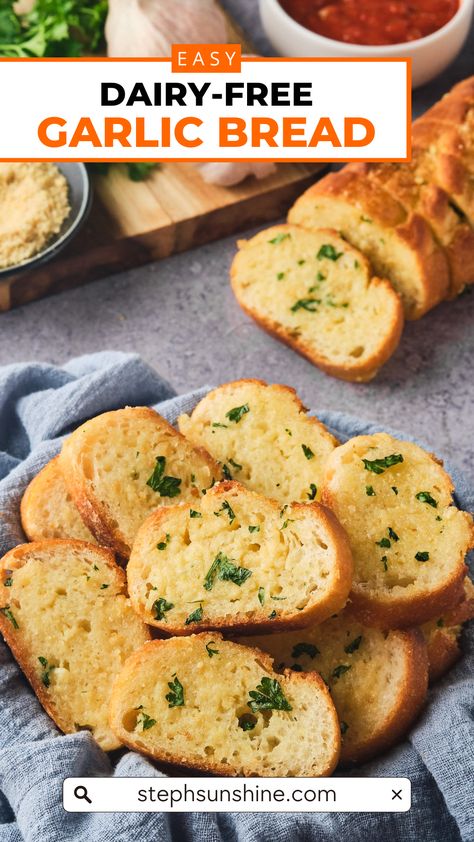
(372, 22)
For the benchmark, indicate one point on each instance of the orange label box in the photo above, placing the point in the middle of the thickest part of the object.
(206, 58)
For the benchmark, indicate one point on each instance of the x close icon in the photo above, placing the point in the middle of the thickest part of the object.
(396, 793)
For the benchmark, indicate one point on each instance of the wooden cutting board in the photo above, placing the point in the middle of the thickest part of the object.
(131, 223)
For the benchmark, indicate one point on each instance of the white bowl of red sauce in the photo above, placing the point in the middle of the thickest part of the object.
(430, 32)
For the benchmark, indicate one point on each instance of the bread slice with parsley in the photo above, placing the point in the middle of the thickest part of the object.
(122, 465)
(408, 540)
(443, 634)
(264, 437)
(422, 196)
(315, 292)
(400, 246)
(377, 679)
(67, 619)
(47, 509)
(213, 705)
(240, 561)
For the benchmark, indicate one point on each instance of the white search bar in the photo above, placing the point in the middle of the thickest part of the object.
(242, 795)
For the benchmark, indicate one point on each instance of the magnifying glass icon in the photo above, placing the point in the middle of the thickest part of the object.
(81, 793)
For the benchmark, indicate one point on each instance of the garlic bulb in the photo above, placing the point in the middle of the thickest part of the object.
(229, 174)
(145, 28)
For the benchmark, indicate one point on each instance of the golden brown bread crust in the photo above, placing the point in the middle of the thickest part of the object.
(443, 640)
(260, 623)
(93, 512)
(15, 559)
(410, 703)
(374, 202)
(206, 765)
(358, 371)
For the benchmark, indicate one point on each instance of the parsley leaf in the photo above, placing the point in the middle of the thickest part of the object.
(379, 466)
(309, 304)
(235, 465)
(305, 649)
(8, 582)
(140, 170)
(145, 721)
(313, 490)
(45, 675)
(164, 485)
(329, 252)
(9, 615)
(353, 646)
(425, 497)
(163, 544)
(384, 561)
(247, 722)
(175, 697)
(194, 513)
(279, 239)
(226, 473)
(370, 491)
(307, 451)
(261, 596)
(268, 696)
(211, 651)
(237, 413)
(194, 617)
(344, 727)
(224, 569)
(160, 607)
(254, 528)
(340, 670)
(52, 28)
(392, 534)
(226, 508)
(272, 615)
(384, 542)
(394, 489)
(423, 556)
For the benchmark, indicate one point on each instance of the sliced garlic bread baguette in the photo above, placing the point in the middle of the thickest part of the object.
(406, 184)
(400, 246)
(442, 635)
(122, 465)
(315, 292)
(47, 509)
(66, 617)
(408, 541)
(206, 703)
(264, 437)
(240, 561)
(378, 680)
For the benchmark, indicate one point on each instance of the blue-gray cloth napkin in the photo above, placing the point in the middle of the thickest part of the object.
(39, 404)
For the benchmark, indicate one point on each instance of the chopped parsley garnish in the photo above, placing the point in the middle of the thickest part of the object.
(305, 649)
(268, 696)
(307, 451)
(235, 465)
(224, 426)
(237, 413)
(384, 561)
(165, 486)
(392, 534)
(366, 219)
(45, 675)
(438, 517)
(313, 490)
(288, 431)
(425, 497)
(370, 491)
(394, 489)
(247, 722)
(354, 645)
(379, 466)
(320, 277)
(195, 617)
(227, 509)
(226, 473)
(8, 582)
(279, 239)
(296, 668)
(210, 650)
(272, 615)
(261, 595)
(440, 623)
(309, 304)
(103, 587)
(194, 513)
(286, 522)
(340, 670)
(344, 727)
(160, 607)
(163, 544)
(278, 598)
(280, 276)
(384, 542)
(423, 556)
(175, 697)
(329, 252)
(9, 615)
(224, 569)
(254, 528)
(144, 720)
(301, 262)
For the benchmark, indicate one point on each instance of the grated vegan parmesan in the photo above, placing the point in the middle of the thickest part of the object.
(33, 206)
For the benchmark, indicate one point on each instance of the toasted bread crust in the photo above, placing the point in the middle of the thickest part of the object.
(443, 637)
(94, 511)
(15, 559)
(258, 622)
(199, 762)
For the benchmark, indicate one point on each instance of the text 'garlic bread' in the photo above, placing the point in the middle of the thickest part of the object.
(408, 540)
(238, 560)
(213, 705)
(264, 438)
(48, 510)
(122, 465)
(314, 291)
(443, 634)
(66, 617)
(378, 680)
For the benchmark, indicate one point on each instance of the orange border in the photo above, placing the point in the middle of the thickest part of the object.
(158, 59)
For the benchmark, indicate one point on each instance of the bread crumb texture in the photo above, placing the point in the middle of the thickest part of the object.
(238, 559)
(377, 679)
(264, 437)
(408, 540)
(205, 702)
(48, 510)
(122, 465)
(315, 292)
(69, 624)
(34, 201)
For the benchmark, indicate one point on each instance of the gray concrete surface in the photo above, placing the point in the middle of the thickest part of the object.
(180, 315)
